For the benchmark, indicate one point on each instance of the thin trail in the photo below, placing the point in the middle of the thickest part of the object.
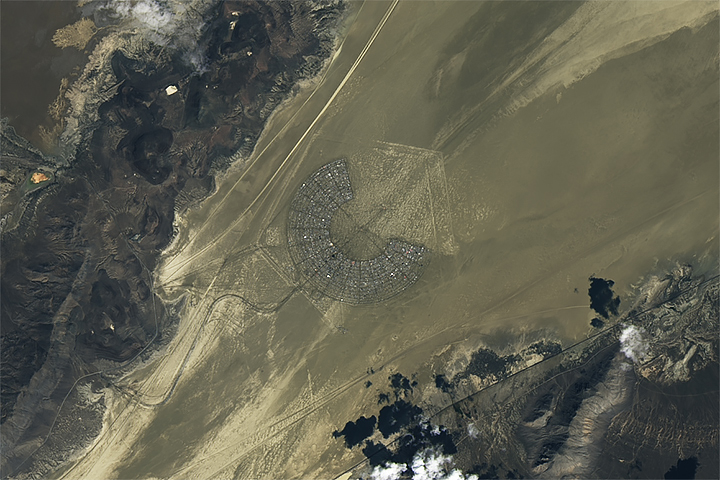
(607, 331)
(295, 147)
(242, 176)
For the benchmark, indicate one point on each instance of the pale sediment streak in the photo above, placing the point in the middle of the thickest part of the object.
(580, 452)
(595, 34)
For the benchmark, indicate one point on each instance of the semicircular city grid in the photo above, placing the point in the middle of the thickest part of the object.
(326, 263)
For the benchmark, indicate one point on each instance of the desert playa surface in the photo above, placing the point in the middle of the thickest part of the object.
(524, 146)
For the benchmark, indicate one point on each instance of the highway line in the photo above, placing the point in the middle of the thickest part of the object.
(287, 158)
(297, 144)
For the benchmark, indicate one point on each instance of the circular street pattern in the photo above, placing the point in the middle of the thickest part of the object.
(325, 261)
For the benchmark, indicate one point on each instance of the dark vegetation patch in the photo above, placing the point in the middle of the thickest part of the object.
(602, 298)
(357, 431)
(485, 362)
(684, 468)
(545, 348)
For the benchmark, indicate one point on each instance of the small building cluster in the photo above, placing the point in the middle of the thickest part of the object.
(324, 263)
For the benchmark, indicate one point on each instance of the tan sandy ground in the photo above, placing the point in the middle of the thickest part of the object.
(529, 145)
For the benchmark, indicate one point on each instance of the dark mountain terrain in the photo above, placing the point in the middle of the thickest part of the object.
(78, 250)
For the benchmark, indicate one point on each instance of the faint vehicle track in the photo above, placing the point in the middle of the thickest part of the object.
(292, 151)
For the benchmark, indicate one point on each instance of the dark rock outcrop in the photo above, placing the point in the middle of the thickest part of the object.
(77, 255)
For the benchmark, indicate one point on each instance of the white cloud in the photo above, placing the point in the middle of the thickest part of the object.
(633, 343)
(154, 19)
(426, 465)
(176, 24)
(431, 466)
(390, 471)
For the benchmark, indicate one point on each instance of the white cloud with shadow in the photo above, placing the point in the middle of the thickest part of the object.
(634, 343)
(426, 465)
